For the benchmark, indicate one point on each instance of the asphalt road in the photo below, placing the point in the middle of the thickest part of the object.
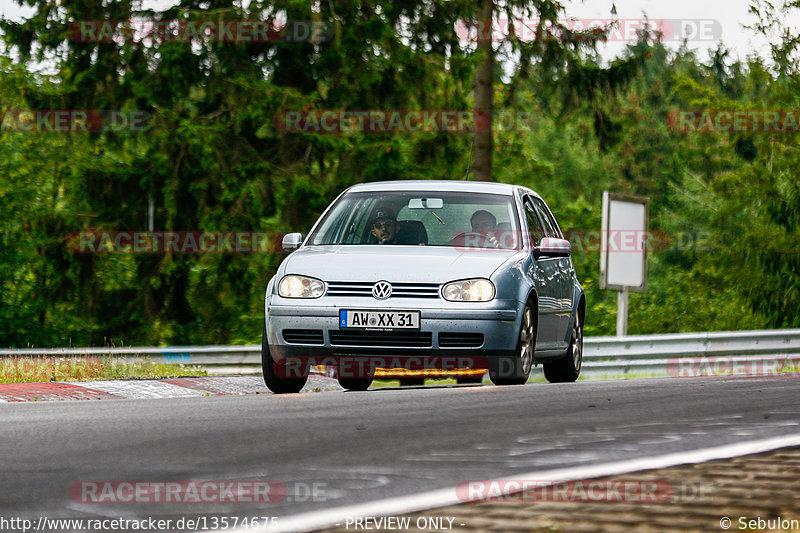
(352, 447)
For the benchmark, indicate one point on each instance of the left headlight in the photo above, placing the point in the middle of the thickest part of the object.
(300, 287)
(469, 290)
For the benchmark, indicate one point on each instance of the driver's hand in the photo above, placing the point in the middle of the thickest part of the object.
(493, 240)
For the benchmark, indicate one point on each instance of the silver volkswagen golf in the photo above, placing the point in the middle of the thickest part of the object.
(413, 275)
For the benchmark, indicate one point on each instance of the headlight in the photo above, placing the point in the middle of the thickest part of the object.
(469, 290)
(300, 287)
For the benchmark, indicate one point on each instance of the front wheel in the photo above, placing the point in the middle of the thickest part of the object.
(568, 368)
(275, 373)
(515, 370)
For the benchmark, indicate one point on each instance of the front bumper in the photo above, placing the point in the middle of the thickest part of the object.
(497, 322)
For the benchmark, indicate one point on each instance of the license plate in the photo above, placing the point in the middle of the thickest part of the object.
(381, 320)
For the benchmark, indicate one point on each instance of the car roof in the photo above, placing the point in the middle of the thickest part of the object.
(436, 185)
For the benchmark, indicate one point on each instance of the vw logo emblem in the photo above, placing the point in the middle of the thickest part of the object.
(382, 290)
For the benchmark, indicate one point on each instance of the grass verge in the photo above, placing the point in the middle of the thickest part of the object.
(44, 369)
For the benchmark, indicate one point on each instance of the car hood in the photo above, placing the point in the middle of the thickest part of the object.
(420, 264)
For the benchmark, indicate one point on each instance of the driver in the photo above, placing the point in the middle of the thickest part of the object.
(485, 223)
(384, 225)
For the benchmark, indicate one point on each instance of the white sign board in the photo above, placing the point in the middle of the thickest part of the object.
(623, 248)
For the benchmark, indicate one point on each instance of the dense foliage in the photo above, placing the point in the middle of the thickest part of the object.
(726, 206)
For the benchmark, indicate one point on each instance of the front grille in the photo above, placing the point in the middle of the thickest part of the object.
(302, 336)
(460, 340)
(399, 290)
(382, 339)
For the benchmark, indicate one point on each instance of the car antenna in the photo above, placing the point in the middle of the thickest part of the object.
(466, 177)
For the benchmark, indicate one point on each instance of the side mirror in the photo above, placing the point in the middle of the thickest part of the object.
(292, 241)
(550, 247)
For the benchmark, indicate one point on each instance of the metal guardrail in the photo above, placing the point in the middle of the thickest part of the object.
(602, 355)
(662, 354)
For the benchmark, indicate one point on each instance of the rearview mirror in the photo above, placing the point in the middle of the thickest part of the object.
(292, 241)
(551, 247)
(425, 203)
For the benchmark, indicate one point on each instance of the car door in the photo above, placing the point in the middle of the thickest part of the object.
(545, 274)
(564, 267)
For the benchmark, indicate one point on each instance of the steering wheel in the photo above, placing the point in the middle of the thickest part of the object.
(471, 239)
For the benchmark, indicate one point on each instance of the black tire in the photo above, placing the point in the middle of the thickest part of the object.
(272, 372)
(516, 369)
(568, 368)
(355, 384)
(412, 382)
(469, 380)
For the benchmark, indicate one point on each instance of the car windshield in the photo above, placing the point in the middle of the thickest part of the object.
(420, 219)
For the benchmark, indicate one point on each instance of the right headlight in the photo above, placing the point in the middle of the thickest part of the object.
(469, 290)
(293, 286)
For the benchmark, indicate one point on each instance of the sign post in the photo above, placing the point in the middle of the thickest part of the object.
(623, 249)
